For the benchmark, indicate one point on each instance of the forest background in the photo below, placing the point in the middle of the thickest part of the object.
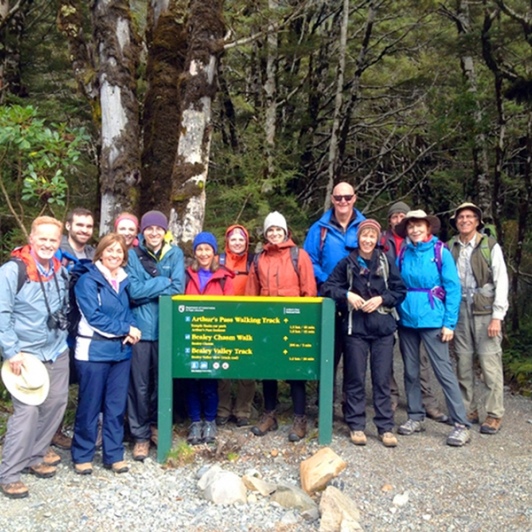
(219, 112)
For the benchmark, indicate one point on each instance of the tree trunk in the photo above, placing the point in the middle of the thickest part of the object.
(197, 89)
(167, 48)
(338, 101)
(118, 54)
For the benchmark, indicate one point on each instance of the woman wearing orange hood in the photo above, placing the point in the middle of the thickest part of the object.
(236, 259)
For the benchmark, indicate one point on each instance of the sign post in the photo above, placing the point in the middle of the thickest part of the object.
(245, 338)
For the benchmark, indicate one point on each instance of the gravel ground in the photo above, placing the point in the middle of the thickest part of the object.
(484, 486)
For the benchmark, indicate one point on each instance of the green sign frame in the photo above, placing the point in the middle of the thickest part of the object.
(234, 337)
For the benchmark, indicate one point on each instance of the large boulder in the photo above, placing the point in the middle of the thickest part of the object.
(319, 469)
(222, 487)
(338, 512)
(292, 497)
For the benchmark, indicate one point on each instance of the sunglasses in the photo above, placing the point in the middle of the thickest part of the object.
(345, 197)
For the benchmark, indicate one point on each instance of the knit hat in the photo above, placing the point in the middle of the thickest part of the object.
(398, 207)
(369, 223)
(205, 238)
(153, 218)
(419, 214)
(471, 207)
(236, 231)
(32, 385)
(126, 216)
(275, 219)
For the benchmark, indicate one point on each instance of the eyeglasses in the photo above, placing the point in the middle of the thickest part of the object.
(346, 197)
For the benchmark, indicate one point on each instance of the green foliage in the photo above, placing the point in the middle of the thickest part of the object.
(518, 360)
(180, 455)
(35, 158)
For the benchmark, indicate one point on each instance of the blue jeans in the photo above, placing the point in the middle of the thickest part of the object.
(102, 388)
(438, 353)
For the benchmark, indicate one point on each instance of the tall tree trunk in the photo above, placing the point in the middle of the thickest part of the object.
(332, 165)
(197, 90)
(118, 54)
(167, 48)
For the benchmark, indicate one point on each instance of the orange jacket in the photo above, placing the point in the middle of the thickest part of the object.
(237, 263)
(276, 275)
(214, 286)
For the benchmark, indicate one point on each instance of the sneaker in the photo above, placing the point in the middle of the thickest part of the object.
(267, 422)
(358, 437)
(83, 469)
(472, 417)
(15, 490)
(141, 450)
(242, 422)
(437, 415)
(491, 425)
(299, 429)
(61, 441)
(51, 458)
(388, 439)
(118, 467)
(459, 436)
(410, 426)
(41, 470)
(208, 433)
(194, 433)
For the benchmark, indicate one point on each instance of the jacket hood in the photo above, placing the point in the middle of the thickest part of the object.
(24, 254)
(288, 243)
(244, 230)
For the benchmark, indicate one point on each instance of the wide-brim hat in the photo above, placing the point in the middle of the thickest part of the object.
(31, 387)
(471, 207)
(419, 214)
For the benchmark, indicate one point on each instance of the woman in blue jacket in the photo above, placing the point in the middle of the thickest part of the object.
(429, 314)
(106, 331)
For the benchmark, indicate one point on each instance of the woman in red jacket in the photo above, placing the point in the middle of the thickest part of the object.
(282, 269)
(238, 260)
(205, 277)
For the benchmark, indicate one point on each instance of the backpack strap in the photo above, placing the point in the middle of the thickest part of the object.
(147, 261)
(323, 236)
(294, 255)
(22, 276)
(221, 259)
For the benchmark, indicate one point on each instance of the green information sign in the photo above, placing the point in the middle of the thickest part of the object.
(245, 338)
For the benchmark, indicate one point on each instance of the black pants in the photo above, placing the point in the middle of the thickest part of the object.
(142, 394)
(355, 364)
(297, 391)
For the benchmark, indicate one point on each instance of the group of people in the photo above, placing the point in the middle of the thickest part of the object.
(404, 280)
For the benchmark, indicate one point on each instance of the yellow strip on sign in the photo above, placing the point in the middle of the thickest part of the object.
(250, 299)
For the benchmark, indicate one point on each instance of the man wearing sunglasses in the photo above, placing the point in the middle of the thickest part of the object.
(330, 239)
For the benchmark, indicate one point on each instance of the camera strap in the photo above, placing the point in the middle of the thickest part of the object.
(44, 291)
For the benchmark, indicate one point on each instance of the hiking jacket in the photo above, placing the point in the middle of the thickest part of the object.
(326, 254)
(421, 308)
(214, 286)
(276, 275)
(144, 289)
(67, 255)
(489, 296)
(387, 243)
(367, 282)
(23, 314)
(106, 317)
(238, 264)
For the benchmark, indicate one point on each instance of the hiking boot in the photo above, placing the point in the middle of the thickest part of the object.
(437, 415)
(358, 437)
(472, 417)
(141, 450)
(62, 441)
(242, 422)
(299, 429)
(459, 436)
(15, 490)
(208, 433)
(491, 425)
(388, 439)
(222, 420)
(266, 423)
(118, 467)
(194, 433)
(51, 458)
(84, 468)
(41, 470)
(410, 426)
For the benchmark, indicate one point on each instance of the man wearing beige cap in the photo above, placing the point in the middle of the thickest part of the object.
(484, 281)
(33, 323)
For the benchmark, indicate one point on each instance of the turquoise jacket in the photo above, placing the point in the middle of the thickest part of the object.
(145, 289)
(419, 270)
